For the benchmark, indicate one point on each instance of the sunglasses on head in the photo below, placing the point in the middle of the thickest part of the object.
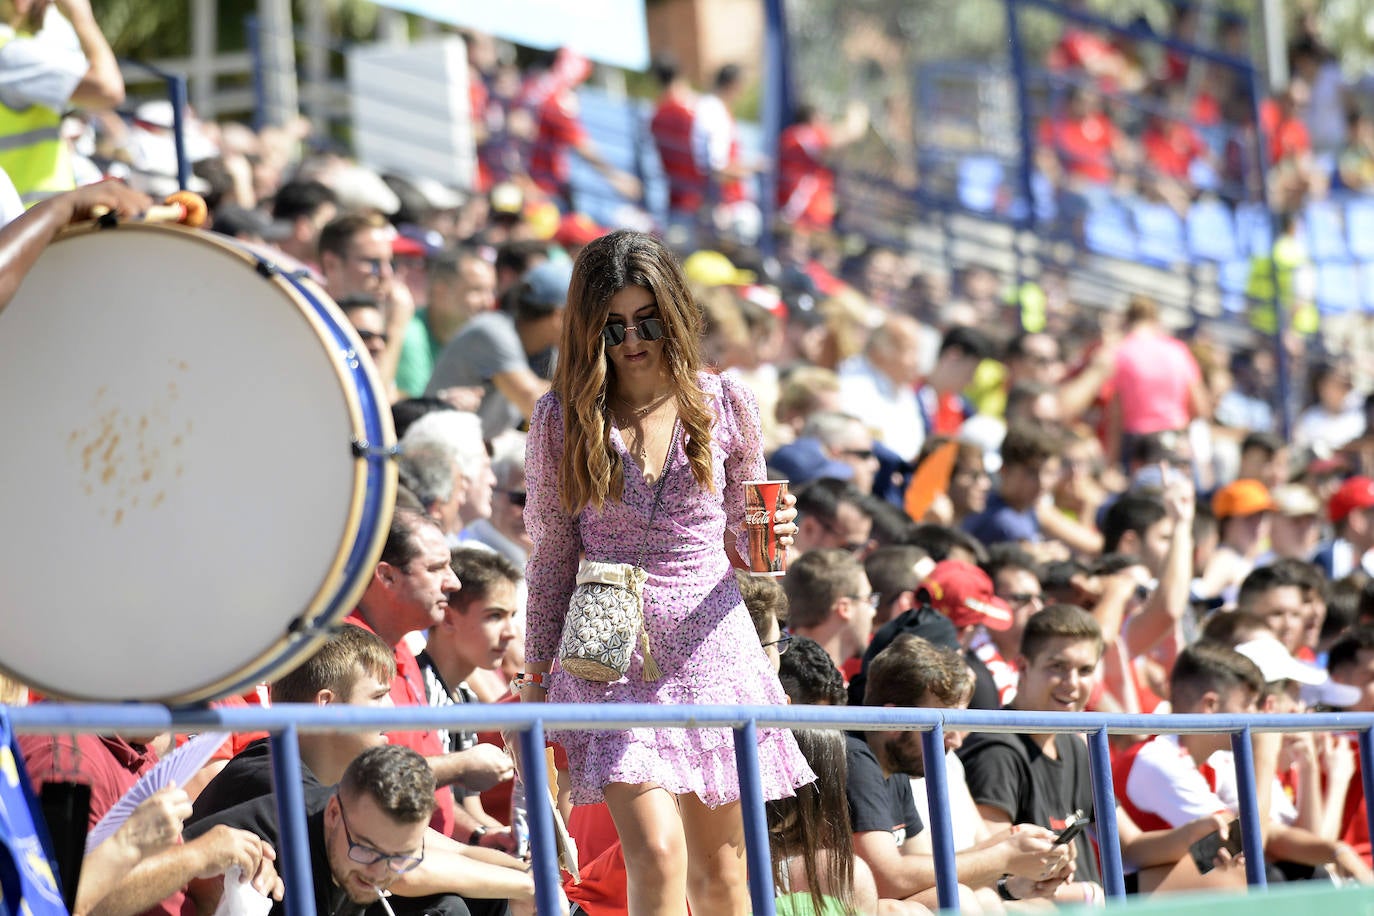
(648, 329)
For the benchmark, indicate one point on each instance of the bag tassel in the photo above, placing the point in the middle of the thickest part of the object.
(651, 670)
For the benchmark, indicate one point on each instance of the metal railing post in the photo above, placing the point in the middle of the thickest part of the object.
(1366, 743)
(1250, 828)
(941, 833)
(543, 845)
(296, 870)
(176, 93)
(1104, 808)
(755, 819)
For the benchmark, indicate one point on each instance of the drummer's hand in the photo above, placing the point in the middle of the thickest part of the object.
(785, 521)
(114, 196)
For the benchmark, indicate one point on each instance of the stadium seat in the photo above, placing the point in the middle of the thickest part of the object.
(1359, 227)
(1323, 231)
(980, 180)
(1338, 287)
(1212, 232)
(1233, 277)
(1367, 285)
(1254, 229)
(1161, 234)
(1107, 230)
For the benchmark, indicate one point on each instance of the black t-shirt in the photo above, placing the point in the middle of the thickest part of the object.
(878, 802)
(259, 816)
(1011, 772)
(923, 621)
(985, 695)
(245, 777)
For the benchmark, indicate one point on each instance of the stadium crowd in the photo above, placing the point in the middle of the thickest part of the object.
(1093, 514)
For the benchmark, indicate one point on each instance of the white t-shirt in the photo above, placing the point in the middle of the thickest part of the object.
(40, 69)
(1164, 781)
(1282, 810)
(963, 813)
(713, 133)
(889, 410)
(11, 206)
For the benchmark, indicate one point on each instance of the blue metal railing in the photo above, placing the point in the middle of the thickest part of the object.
(286, 721)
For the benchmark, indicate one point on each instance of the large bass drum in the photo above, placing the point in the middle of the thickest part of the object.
(197, 483)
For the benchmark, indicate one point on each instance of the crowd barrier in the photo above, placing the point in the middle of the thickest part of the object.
(286, 721)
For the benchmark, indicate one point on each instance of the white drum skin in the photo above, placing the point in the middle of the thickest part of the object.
(185, 512)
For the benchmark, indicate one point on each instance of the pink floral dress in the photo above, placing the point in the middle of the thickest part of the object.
(700, 632)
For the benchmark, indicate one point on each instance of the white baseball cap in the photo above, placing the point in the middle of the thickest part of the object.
(1276, 663)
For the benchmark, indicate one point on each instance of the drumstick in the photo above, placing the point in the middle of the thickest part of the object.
(185, 207)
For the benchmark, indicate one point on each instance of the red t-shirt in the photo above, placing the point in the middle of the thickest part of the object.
(1287, 136)
(806, 185)
(108, 764)
(1084, 145)
(671, 127)
(1355, 823)
(1171, 148)
(559, 130)
(408, 689)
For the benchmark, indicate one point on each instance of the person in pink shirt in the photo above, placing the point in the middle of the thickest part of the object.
(1157, 384)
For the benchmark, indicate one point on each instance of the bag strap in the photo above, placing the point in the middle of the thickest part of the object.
(658, 494)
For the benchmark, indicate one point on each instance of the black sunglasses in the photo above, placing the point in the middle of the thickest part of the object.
(648, 329)
(372, 335)
(516, 497)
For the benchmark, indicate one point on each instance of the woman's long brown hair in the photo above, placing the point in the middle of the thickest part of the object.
(590, 471)
(816, 821)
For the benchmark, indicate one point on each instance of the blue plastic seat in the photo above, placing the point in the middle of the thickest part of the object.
(1324, 231)
(1161, 234)
(1107, 230)
(1233, 277)
(1212, 232)
(1254, 229)
(1359, 227)
(1338, 287)
(980, 179)
(1367, 285)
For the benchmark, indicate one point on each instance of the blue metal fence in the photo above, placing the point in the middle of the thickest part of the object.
(286, 721)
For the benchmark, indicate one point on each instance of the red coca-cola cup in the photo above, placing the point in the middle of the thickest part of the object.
(762, 500)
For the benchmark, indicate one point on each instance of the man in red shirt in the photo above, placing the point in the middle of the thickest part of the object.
(1083, 142)
(671, 127)
(1351, 662)
(943, 405)
(560, 130)
(410, 591)
(806, 181)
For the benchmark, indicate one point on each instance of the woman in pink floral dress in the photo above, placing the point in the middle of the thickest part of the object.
(631, 406)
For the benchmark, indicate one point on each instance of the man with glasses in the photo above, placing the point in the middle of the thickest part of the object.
(831, 513)
(367, 837)
(356, 259)
(504, 532)
(845, 439)
(509, 353)
(1016, 583)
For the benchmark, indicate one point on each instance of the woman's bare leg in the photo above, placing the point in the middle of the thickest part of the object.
(651, 836)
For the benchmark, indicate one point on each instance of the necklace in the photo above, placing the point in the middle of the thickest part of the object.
(639, 413)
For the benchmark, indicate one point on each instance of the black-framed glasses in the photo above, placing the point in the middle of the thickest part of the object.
(648, 329)
(369, 336)
(782, 643)
(1021, 599)
(859, 454)
(374, 265)
(366, 855)
(516, 497)
(872, 599)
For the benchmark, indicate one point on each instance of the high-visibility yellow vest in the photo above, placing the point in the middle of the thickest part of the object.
(32, 152)
(1288, 256)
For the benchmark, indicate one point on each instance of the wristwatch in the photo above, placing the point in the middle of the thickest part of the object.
(479, 831)
(523, 680)
(1002, 890)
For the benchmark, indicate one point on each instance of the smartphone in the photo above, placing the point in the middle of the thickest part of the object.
(1205, 850)
(1074, 825)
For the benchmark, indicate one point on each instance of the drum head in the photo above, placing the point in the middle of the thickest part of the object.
(186, 510)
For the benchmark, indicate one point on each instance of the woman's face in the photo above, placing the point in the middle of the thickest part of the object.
(969, 486)
(635, 358)
(1332, 391)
